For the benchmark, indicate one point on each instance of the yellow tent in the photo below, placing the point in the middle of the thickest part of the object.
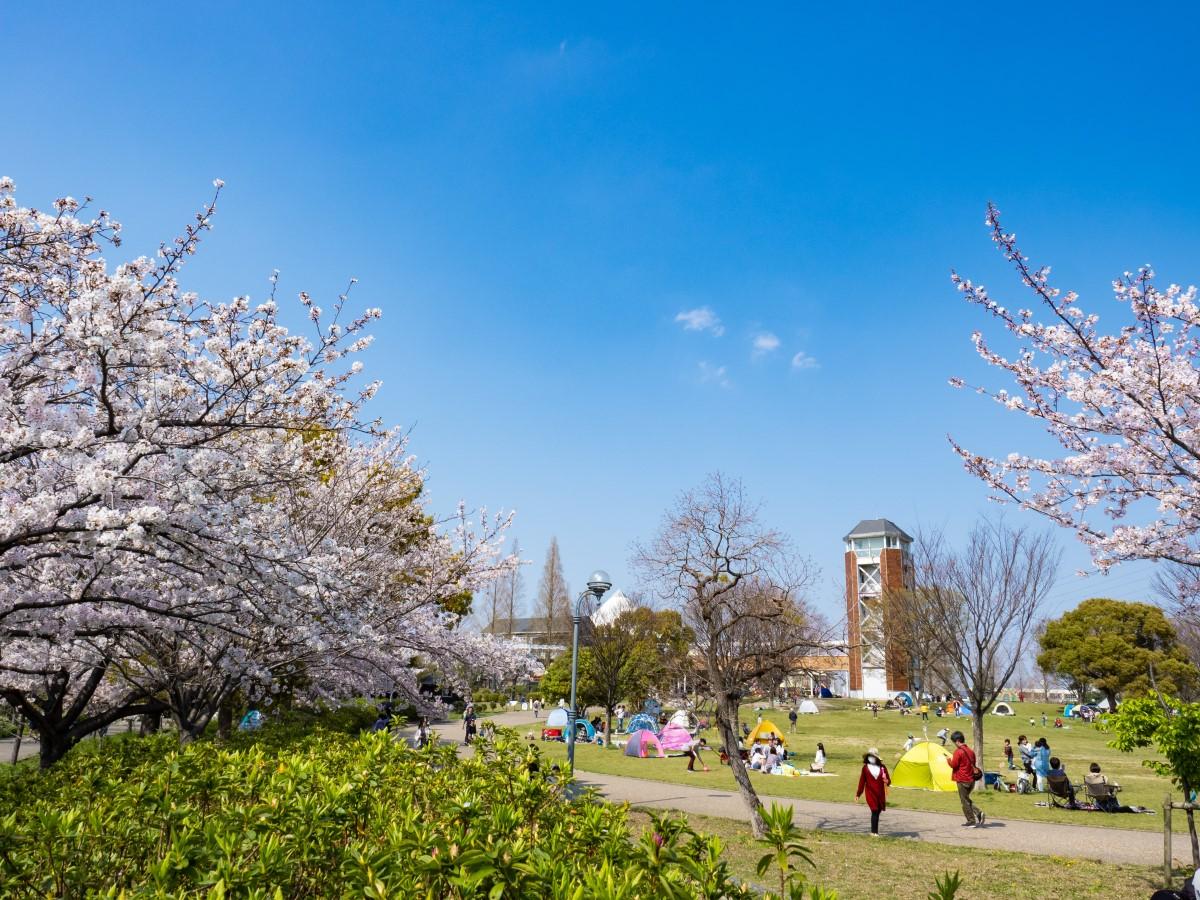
(925, 766)
(764, 731)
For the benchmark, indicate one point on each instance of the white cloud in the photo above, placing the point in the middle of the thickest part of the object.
(764, 343)
(803, 361)
(710, 374)
(702, 318)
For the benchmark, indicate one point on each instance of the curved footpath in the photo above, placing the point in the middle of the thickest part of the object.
(1110, 845)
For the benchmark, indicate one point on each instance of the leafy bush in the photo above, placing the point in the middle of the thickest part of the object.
(307, 808)
(326, 814)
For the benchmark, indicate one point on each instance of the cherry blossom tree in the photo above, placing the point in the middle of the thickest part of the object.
(191, 501)
(1124, 403)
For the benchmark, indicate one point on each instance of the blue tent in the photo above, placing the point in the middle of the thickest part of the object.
(584, 730)
(826, 693)
(1069, 710)
(641, 721)
(904, 697)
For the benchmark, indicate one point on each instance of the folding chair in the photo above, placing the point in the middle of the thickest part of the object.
(1103, 795)
(1060, 788)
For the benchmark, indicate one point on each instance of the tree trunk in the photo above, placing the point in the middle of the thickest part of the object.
(1191, 817)
(608, 735)
(53, 746)
(977, 733)
(1111, 697)
(225, 720)
(727, 717)
(16, 754)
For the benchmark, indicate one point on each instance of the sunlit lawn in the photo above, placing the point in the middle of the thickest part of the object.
(848, 731)
(858, 866)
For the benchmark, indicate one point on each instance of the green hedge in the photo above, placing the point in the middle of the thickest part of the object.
(328, 814)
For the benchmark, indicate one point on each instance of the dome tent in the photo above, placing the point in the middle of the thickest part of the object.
(808, 707)
(640, 743)
(641, 722)
(674, 737)
(764, 731)
(557, 719)
(683, 719)
(926, 767)
(904, 697)
(1002, 709)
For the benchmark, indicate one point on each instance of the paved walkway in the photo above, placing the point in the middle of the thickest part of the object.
(1110, 845)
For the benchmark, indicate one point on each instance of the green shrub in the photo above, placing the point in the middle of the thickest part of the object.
(325, 814)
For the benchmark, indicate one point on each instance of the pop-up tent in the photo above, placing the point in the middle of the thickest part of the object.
(682, 718)
(807, 706)
(1002, 709)
(826, 693)
(925, 766)
(641, 742)
(557, 719)
(1069, 710)
(904, 697)
(674, 737)
(642, 722)
(764, 731)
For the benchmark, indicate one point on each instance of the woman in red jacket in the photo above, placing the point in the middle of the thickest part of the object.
(874, 782)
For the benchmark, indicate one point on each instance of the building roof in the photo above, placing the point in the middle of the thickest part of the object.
(877, 528)
(528, 625)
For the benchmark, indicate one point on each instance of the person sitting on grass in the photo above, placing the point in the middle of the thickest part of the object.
(818, 763)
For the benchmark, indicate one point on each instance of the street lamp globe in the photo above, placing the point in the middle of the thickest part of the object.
(599, 583)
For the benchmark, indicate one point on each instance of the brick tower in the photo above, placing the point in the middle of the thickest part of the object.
(878, 561)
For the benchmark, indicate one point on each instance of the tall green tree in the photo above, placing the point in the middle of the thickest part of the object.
(630, 657)
(1118, 647)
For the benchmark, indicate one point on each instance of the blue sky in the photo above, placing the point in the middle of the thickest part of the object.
(534, 196)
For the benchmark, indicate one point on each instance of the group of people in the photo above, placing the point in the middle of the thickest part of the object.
(874, 781)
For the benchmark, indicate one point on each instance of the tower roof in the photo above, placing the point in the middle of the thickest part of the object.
(877, 528)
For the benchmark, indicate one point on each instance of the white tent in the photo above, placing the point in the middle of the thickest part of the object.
(611, 609)
(1103, 704)
(682, 718)
(557, 719)
(1002, 709)
(807, 706)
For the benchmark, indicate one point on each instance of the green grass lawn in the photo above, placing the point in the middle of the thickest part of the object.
(847, 732)
(858, 866)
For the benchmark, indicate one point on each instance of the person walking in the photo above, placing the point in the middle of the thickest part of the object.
(537, 707)
(924, 712)
(964, 774)
(621, 717)
(792, 720)
(873, 783)
(874, 710)
(1008, 753)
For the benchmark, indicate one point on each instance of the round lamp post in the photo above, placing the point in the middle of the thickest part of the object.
(597, 586)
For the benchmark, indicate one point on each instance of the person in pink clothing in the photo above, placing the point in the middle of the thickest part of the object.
(873, 784)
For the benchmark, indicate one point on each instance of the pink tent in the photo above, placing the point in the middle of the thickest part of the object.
(674, 737)
(640, 743)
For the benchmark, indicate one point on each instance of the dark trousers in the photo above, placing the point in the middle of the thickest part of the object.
(874, 821)
(970, 810)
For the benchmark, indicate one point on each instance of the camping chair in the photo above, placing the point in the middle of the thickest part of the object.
(1104, 796)
(1060, 788)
